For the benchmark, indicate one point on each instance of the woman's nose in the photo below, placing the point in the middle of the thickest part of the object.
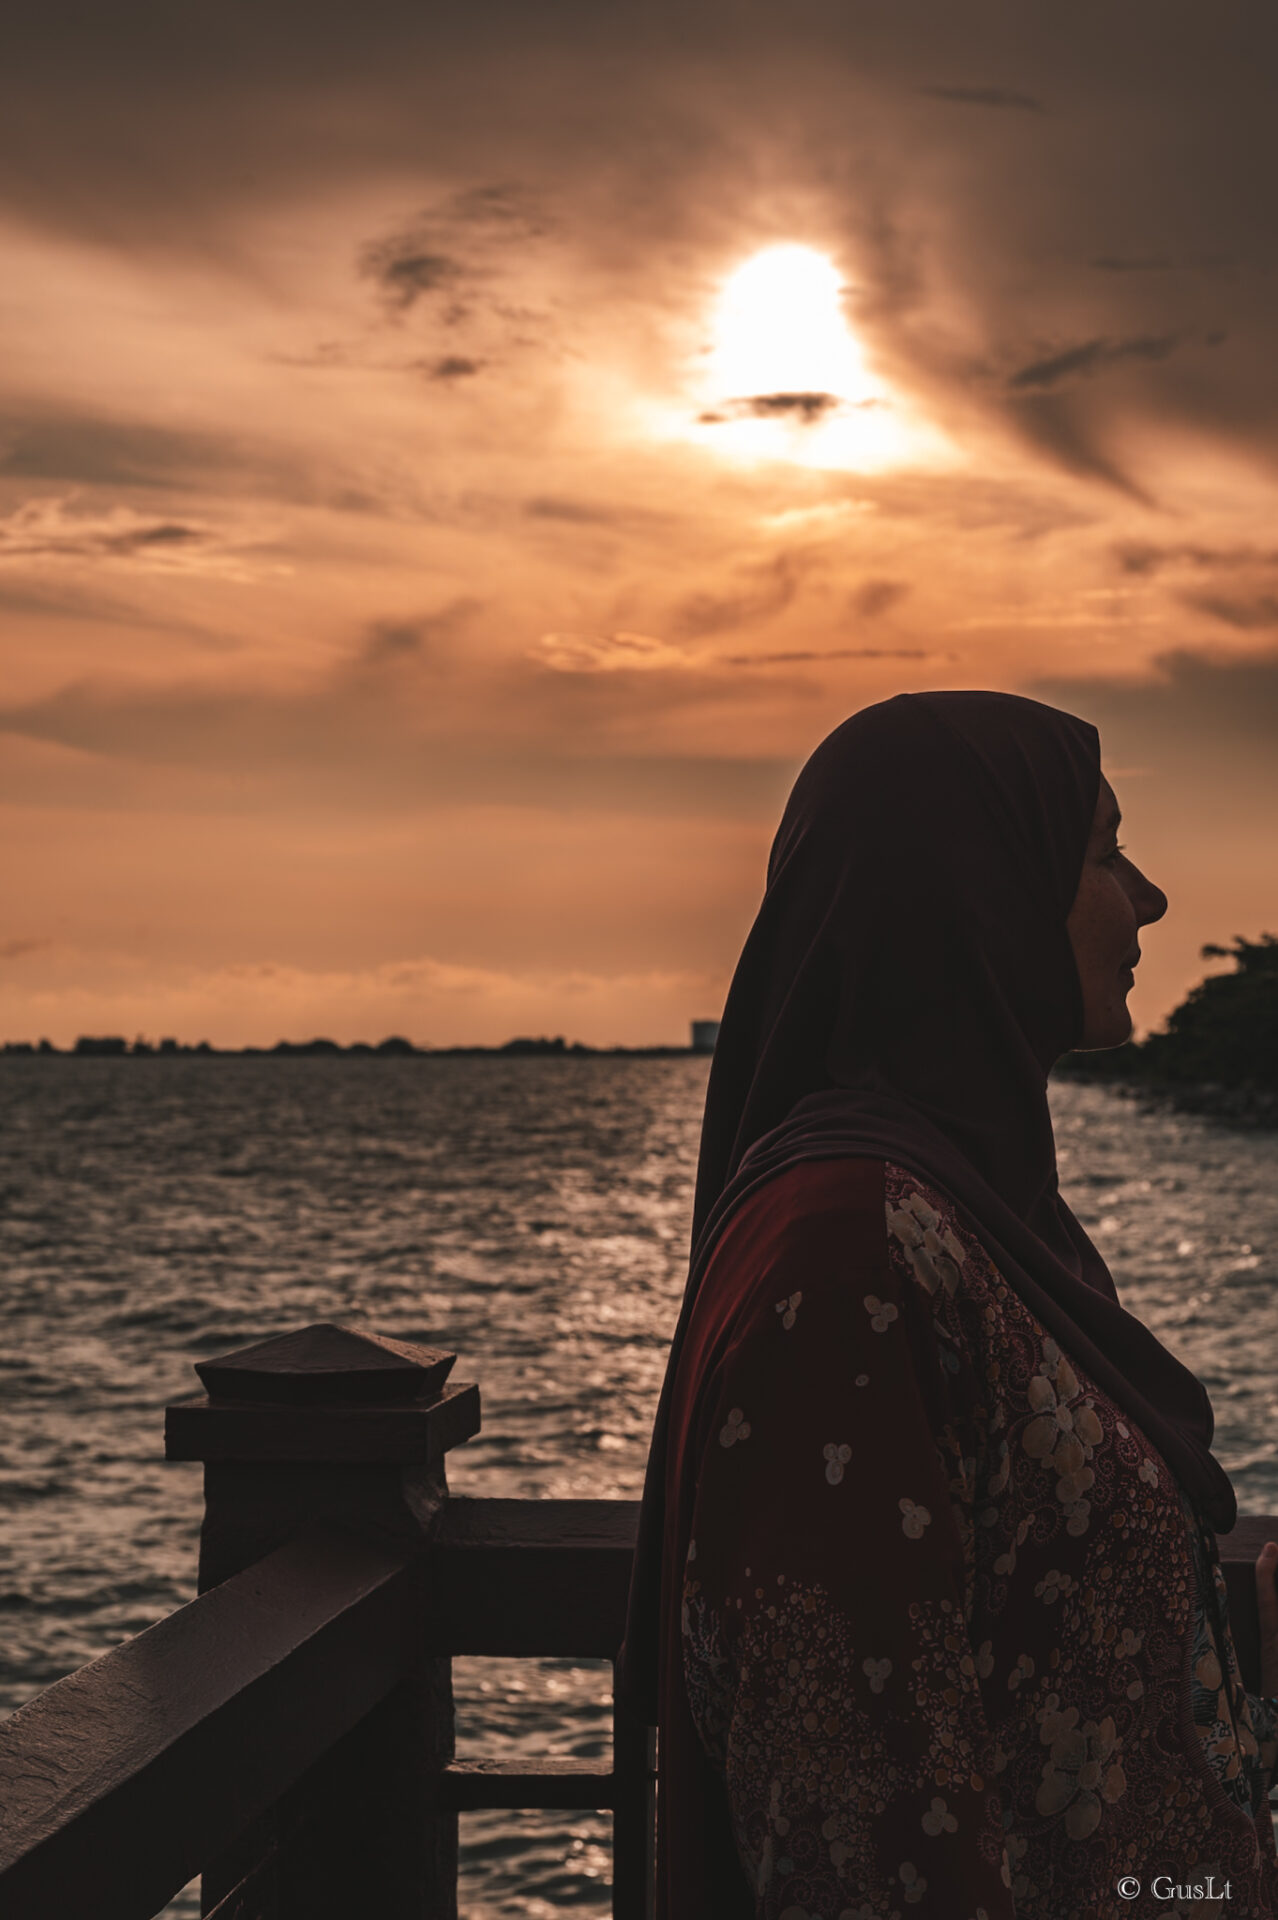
(1150, 901)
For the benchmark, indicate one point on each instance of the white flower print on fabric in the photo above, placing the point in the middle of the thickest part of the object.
(737, 1427)
(1062, 1435)
(935, 1257)
(916, 1518)
(881, 1312)
(863, 1380)
(877, 1672)
(939, 1819)
(912, 1880)
(1084, 1767)
(788, 1308)
(836, 1458)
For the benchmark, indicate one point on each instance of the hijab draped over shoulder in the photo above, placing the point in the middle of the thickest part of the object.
(906, 986)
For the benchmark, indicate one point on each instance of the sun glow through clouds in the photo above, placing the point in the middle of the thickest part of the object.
(786, 378)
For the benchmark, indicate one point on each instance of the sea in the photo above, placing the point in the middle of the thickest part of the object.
(530, 1214)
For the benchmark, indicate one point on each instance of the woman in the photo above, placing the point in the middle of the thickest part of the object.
(927, 1601)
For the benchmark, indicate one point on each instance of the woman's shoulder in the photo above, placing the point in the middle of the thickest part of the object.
(860, 1210)
(831, 1207)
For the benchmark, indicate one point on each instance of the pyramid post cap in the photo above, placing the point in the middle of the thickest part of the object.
(328, 1365)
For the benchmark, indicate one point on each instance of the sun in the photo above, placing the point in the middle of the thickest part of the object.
(786, 377)
(779, 328)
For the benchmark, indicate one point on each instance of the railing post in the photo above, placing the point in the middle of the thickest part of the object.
(332, 1427)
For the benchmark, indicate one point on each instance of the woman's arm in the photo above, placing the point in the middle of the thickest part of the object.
(827, 1653)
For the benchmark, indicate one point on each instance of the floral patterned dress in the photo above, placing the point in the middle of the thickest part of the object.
(951, 1642)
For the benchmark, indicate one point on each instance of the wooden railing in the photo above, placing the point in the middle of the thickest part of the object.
(289, 1734)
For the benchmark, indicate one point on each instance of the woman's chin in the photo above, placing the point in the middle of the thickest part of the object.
(1104, 1026)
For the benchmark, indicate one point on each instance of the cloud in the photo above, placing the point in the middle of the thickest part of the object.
(47, 529)
(875, 597)
(1091, 357)
(1005, 97)
(436, 1001)
(85, 449)
(1149, 263)
(453, 366)
(763, 592)
(405, 269)
(427, 640)
(1246, 615)
(831, 653)
(1188, 710)
(19, 949)
(1144, 557)
(608, 653)
(457, 257)
(111, 453)
(1249, 605)
(586, 513)
(409, 721)
(1057, 426)
(806, 408)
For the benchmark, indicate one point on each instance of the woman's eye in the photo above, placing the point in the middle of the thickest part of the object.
(1113, 854)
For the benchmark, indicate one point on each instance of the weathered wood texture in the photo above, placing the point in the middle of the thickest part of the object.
(119, 1782)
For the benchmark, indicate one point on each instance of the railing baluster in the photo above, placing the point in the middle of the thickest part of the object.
(633, 1821)
(347, 1430)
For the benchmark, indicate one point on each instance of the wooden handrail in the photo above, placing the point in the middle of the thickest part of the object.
(120, 1782)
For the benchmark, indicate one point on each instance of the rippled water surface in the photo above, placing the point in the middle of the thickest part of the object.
(530, 1214)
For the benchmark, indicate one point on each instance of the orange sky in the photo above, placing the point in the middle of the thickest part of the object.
(418, 588)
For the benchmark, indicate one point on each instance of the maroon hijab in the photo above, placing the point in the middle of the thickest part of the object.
(905, 988)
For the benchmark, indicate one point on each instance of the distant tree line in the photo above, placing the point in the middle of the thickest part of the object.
(115, 1046)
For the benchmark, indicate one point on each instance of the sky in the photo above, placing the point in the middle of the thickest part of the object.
(456, 463)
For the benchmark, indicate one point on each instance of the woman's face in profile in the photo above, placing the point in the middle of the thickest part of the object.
(1114, 901)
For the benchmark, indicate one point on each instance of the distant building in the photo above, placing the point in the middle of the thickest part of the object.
(107, 1044)
(704, 1035)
